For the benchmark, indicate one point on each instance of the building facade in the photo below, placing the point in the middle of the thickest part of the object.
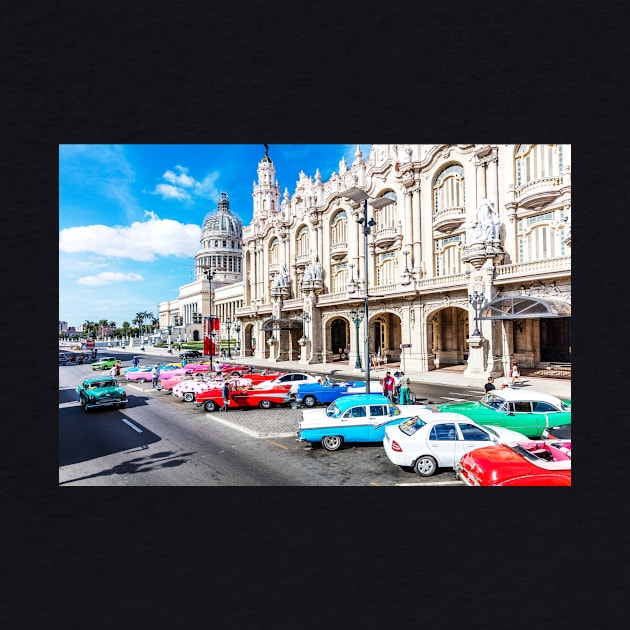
(461, 254)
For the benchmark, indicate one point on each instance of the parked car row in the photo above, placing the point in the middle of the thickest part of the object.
(481, 452)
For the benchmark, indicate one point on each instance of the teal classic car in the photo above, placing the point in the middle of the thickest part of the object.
(104, 363)
(356, 418)
(527, 412)
(99, 392)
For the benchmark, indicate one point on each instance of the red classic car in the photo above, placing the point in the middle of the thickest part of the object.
(531, 463)
(228, 368)
(240, 397)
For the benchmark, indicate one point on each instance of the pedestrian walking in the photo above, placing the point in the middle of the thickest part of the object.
(112, 372)
(184, 362)
(117, 368)
(405, 392)
(135, 362)
(225, 392)
(515, 372)
(155, 375)
(388, 386)
(489, 386)
(397, 375)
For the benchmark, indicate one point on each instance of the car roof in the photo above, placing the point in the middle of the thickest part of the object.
(512, 394)
(361, 399)
(98, 379)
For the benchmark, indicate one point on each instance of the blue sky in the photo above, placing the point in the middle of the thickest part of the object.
(130, 215)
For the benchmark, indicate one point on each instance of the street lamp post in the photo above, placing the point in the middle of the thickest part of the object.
(237, 330)
(356, 194)
(357, 316)
(212, 338)
(228, 325)
(170, 340)
(476, 301)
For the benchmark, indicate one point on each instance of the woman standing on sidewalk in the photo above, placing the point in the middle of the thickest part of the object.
(405, 394)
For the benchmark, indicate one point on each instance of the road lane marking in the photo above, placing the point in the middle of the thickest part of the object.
(133, 426)
(65, 405)
(454, 399)
(276, 444)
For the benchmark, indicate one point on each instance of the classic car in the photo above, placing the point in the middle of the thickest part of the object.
(228, 368)
(99, 392)
(439, 440)
(356, 418)
(294, 379)
(189, 388)
(194, 368)
(141, 376)
(532, 463)
(166, 382)
(260, 377)
(104, 363)
(140, 368)
(191, 354)
(311, 394)
(527, 412)
(240, 397)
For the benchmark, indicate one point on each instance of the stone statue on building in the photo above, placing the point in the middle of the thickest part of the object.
(488, 218)
(313, 270)
(282, 278)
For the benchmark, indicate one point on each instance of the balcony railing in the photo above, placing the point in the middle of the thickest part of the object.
(534, 267)
(449, 219)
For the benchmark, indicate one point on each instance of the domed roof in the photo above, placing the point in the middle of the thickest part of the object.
(221, 221)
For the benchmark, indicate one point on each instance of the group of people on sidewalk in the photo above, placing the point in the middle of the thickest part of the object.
(397, 387)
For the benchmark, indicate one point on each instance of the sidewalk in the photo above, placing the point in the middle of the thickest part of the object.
(341, 369)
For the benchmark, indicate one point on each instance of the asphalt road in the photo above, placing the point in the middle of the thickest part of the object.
(158, 440)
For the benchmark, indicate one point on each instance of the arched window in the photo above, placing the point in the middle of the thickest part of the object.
(339, 228)
(386, 217)
(386, 267)
(447, 255)
(303, 242)
(274, 248)
(339, 278)
(537, 161)
(448, 189)
(538, 240)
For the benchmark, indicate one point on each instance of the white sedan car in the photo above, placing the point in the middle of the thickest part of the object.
(295, 379)
(431, 440)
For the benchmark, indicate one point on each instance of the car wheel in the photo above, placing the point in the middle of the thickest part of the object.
(189, 397)
(237, 374)
(86, 409)
(265, 404)
(332, 442)
(141, 380)
(310, 401)
(210, 406)
(425, 465)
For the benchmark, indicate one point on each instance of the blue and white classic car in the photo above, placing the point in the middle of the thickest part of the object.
(356, 418)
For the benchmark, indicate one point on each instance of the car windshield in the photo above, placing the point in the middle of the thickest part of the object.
(332, 411)
(494, 402)
(409, 427)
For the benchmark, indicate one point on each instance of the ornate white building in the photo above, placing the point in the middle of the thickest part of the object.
(468, 260)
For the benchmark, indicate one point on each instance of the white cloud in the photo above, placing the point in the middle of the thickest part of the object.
(109, 277)
(143, 241)
(167, 191)
(179, 180)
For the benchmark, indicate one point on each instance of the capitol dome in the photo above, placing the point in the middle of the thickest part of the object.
(221, 234)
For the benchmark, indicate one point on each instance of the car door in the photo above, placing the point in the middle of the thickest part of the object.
(354, 424)
(378, 418)
(443, 443)
(520, 418)
(469, 438)
(546, 415)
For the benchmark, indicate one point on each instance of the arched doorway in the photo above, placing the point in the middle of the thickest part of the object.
(339, 337)
(385, 338)
(447, 335)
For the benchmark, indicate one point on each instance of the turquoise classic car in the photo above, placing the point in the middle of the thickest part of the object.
(356, 418)
(99, 392)
(527, 412)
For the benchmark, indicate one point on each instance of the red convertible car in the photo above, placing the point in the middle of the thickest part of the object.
(532, 463)
(241, 397)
